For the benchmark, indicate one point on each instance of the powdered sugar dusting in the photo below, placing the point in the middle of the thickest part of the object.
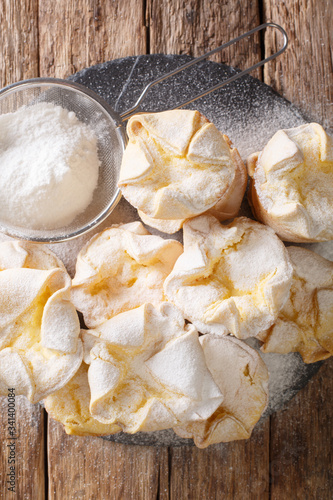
(284, 371)
(60, 158)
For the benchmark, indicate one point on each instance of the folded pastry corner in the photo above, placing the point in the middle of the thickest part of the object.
(178, 165)
(147, 371)
(291, 186)
(305, 323)
(231, 278)
(242, 377)
(119, 269)
(70, 406)
(23, 254)
(40, 349)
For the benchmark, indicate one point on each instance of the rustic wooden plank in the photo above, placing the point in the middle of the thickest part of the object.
(304, 73)
(27, 450)
(196, 27)
(80, 33)
(302, 442)
(90, 467)
(18, 40)
(232, 471)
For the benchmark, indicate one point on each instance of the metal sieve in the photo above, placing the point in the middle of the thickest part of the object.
(109, 128)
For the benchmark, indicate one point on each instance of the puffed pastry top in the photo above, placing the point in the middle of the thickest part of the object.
(121, 268)
(147, 371)
(305, 323)
(40, 349)
(231, 278)
(178, 165)
(292, 184)
(70, 406)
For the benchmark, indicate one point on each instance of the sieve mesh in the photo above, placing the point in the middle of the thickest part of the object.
(106, 124)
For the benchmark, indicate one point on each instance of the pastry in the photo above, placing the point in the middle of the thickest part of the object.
(40, 350)
(242, 377)
(305, 323)
(119, 269)
(178, 165)
(70, 406)
(147, 371)
(230, 279)
(292, 184)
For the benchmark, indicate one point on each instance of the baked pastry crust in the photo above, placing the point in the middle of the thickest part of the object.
(70, 406)
(147, 371)
(231, 278)
(305, 323)
(40, 349)
(242, 377)
(291, 189)
(119, 269)
(178, 165)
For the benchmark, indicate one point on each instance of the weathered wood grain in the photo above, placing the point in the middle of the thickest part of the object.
(302, 442)
(29, 451)
(195, 27)
(18, 40)
(76, 34)
(304, 73)
(90, 467)
(238, 470)
(19, 61)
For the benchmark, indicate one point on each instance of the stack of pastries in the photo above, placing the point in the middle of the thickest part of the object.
(164, 343)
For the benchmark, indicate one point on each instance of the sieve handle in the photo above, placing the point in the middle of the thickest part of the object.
(127, 114)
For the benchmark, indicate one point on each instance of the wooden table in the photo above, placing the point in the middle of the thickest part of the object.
(289, 456)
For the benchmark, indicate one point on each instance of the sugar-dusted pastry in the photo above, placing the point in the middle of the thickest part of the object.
(23, 254)
(178, 165)
(121, 268)
(40, 349)
(70, 406)
(148, 371)
(242, 377)
(292, 184)
(305, 323)
(230, 279)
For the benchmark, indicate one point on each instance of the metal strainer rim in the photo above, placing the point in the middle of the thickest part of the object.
(118, 126)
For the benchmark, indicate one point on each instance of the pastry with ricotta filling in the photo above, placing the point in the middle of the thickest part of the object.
(292, 184)
(147, 371)
(242, 377)
(178, 165)
(305, 323)
(70, 406)
(121, 268)
(231, 278)
(40, 349)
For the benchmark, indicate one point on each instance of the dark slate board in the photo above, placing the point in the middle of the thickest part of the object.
(249, 112)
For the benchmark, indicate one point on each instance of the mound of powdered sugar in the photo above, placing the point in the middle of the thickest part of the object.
(49, 166)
